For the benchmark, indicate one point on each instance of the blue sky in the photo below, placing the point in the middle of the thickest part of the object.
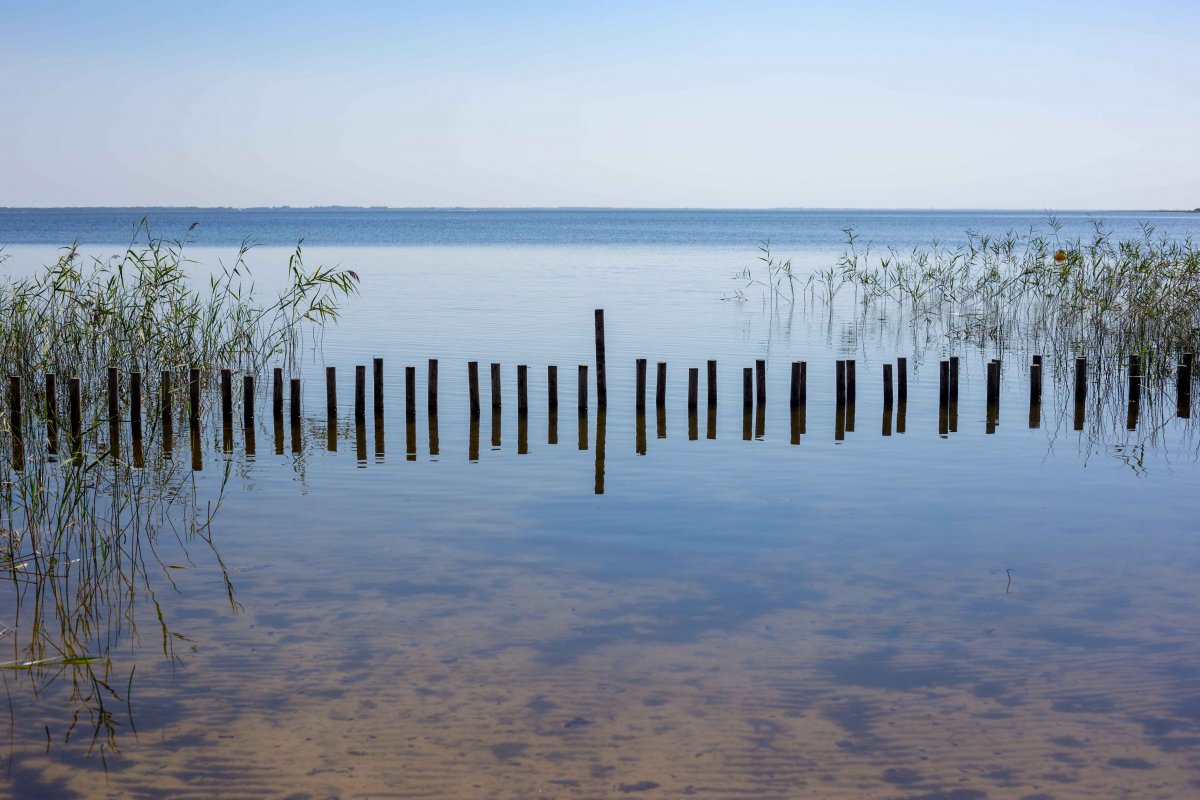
(752, 104)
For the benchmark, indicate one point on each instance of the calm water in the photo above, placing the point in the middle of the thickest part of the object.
(631, 611)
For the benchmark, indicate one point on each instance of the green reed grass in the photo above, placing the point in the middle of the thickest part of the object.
(1100, 296)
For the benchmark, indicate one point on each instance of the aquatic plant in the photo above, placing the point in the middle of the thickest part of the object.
(140, 311)
(1099, 296)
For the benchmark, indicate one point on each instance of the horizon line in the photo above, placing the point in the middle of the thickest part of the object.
(336, 207)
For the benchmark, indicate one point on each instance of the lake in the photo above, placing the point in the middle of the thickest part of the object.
(615, 604)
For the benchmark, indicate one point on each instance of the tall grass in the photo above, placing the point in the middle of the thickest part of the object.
(1097, 295)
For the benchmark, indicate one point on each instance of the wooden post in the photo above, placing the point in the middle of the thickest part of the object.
(850, 387)
(887, 390)
(693, 395)
(1135, 393)
(760, 379)
(522, 390)
(712, 384)
(248, 401)
(164, 397)
(226, 397)
(1183, 390)
(377, 385)
(410, 395)
(14, 405)
(135, 404)
(331, 405)
(641, 384)
(582, 393)
(495, 386)
(360, 392)
(840, 379)
(51, 400)
(601, 380)
(114, 412)
(51, 413)
(944, 385)
(993, 395)
(552, 390)
(1035, 394)
(193, 395)
(295, 401)
(277, 393)
(473, 385)
(660, 385)
(75, 410)
(432, 390)
(1080, 390)
(747, 389)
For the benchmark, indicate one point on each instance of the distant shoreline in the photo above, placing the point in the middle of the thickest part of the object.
(798, 209)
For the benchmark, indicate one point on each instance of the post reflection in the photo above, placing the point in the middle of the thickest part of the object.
(473, 439)
(601, 419)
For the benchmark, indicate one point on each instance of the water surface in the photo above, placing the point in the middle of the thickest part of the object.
(619, 613)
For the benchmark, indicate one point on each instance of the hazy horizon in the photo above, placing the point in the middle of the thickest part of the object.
(539, 105)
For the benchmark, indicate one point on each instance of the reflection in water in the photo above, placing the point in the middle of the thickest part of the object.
(410, 437)
(473, 439)
(601, 420)
(82, 552)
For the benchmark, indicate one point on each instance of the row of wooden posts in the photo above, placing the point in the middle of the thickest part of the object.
(754, 388)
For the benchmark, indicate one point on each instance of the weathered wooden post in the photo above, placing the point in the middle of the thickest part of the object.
(431, 403)
(51, 413)
(114, 412)
(495, 387)
(552, 389)
(660, 385)
(640, 371)
(693, 392)
(582, 392)
(331, 405)
(712, 385)
(747, 389)
(410, 393)
(226, 398)
(295, 401)
(377, 385)
(277, 393)
(473, 385)
(248, 400)
(601, 379)
(522, 389)
(360, 392)
(75, 411)
(135, 406)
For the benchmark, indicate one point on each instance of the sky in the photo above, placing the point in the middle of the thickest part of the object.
(962, 104)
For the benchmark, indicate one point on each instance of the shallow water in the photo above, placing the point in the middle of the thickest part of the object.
(1006, 614)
